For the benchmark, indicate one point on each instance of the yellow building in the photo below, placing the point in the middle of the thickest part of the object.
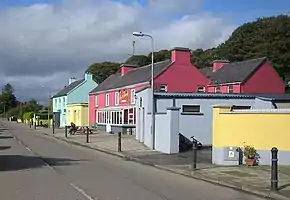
(259, 128)
(78, 114)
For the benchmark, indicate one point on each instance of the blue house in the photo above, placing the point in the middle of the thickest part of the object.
(76, 93)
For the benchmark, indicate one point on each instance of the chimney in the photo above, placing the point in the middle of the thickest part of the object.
(72, 79)
(88, 76)
(125, 68)
(180, 55)
(217, 64)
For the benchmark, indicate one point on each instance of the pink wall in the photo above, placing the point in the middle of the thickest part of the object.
(265, 80)
(181, 57)
(182, 78)
(102, 101)
(224, 88)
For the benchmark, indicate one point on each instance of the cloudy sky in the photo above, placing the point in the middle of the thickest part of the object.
(44, 42)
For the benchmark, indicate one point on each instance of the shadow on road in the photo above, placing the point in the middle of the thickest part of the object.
(5, 147)
(6, 137)
(21, 162)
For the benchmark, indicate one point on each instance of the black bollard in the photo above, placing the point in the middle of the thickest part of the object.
(119, 142)
(194, 153)
(29, 124)
(274, 169)
(53, 127)
(87, 133)
(34, 125)
(65, 131)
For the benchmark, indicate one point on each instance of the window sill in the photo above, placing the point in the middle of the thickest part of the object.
(191, 113)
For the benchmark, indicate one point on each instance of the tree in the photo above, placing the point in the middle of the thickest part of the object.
(160, 55)
(139, 60)
(7, 98)
(103, 70)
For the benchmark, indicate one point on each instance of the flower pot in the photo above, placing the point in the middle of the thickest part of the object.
(250, 162)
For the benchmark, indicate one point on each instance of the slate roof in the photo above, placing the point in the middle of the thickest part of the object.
(135, 76)
(234, 72)
(68, 88)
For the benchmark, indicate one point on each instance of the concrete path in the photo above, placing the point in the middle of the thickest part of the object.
(38, 167)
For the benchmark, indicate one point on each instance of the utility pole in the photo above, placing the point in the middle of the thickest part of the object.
(133, 48)
(48, 116)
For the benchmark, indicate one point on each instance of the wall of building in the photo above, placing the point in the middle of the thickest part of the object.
(265, 80)
(78, 114)
(81, 93)
(224, 88)
(259, 128)
(191, 78)
(59, 105)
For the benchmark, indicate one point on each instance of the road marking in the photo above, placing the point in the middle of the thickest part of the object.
(82, 192)
(28, 149)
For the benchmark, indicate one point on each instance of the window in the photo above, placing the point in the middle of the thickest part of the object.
(235, 107)
(230, 89)
(191, 108)
(200, 89)
(96, 101)
(116, 117)
(107, 100)
(163, 88)
(133, 96)
(217, 89)
(140, 102)
(116, 98)
(63, 101)
(55, 102)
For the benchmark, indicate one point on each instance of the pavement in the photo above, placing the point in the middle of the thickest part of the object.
(37, 165)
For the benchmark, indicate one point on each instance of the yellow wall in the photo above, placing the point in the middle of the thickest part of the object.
(260, 130)
(78, 114)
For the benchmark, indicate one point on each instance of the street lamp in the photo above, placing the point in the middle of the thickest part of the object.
(48, 116)
(140, 34)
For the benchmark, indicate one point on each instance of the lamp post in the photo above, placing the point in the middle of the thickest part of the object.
(140, 34)
(48, 116)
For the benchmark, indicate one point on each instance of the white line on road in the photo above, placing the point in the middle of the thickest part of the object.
(82, 192)
(28, 149)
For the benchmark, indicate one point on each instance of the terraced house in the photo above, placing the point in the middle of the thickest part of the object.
(71, 103)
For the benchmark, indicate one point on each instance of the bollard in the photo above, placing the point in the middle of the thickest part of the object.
(29, 124)
(34, 125)
(194, 153)
(87, 133)
(53, 131)
(65, 131)
(119, 142)
(274, 169)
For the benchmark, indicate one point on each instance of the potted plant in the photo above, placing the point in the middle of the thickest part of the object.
(251, 155)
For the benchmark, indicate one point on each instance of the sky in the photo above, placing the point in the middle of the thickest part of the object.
(44, 42)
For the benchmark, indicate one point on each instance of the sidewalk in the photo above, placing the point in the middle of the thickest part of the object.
(255, 180)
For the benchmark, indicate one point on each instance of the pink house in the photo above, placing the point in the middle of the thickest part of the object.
(250, 76)
(113, 101)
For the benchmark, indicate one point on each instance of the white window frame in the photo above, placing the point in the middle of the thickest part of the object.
(217, 91)
(202, 89)
(117, 99)
(107, 100)
(133, 100)
(163, 88)
(231, 90)
(96, 101)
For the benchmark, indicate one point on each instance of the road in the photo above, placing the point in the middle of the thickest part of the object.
(38, 167)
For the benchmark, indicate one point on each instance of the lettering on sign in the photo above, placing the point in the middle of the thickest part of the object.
(124, 96)
(231, 154)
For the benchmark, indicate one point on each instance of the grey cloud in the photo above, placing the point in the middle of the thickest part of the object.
(48, 43)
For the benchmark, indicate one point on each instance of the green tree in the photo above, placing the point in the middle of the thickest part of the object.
(103, 70)
(160, 55)
(7, 98)
(139, 60)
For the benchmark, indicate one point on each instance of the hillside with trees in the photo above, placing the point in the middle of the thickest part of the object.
(11, 106)
(268, 36)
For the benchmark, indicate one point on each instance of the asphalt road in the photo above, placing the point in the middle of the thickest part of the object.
(37, 167)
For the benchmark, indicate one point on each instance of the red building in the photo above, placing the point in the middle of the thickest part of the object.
(113, 101)
(250, 76)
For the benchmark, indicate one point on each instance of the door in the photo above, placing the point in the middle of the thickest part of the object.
(56, 117)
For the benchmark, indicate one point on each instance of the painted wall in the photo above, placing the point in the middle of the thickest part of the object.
(102, 100)
(81, 93)
(265, 80)
(78, 114)
(191, 78)
(224, 88)
(260, 128)
(59, 104)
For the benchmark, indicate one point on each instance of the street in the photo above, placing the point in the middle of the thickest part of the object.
(38, 167)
